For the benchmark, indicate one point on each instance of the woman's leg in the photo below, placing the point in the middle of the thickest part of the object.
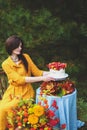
(3, 115)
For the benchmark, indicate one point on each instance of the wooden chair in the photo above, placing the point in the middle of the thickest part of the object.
(3, 83)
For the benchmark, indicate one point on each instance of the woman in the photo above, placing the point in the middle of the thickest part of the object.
(18, 67)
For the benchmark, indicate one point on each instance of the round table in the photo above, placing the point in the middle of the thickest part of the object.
(67, 112)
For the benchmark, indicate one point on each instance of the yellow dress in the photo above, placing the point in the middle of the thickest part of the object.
(17, 86)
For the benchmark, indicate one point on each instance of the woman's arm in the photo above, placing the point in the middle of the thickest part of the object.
(44, 77)
(38, 79)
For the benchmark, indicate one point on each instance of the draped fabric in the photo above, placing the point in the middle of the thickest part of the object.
(67, 112)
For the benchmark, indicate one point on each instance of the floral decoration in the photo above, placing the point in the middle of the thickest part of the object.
(31, 116)
(54, 121)
(57, 88)
(56, 65)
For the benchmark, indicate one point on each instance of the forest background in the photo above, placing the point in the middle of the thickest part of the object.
(52, 30)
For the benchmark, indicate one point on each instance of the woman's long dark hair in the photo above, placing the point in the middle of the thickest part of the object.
(12, 43)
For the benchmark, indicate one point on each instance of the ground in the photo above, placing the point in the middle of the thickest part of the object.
(84, 127)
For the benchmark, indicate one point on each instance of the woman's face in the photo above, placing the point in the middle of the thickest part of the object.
(17, 51)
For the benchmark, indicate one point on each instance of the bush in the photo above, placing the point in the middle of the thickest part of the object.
(82, 109)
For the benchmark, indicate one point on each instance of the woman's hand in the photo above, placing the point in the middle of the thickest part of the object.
(48, 78)
(46, 73)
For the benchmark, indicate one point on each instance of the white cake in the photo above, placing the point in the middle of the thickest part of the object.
(57, 70)
(58, 73)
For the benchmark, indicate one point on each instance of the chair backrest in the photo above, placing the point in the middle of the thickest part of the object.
(3, 83)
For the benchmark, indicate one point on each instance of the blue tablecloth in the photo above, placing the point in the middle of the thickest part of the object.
(67, 111)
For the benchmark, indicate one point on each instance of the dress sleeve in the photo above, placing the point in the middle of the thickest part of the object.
(13, 76)
(33, 68)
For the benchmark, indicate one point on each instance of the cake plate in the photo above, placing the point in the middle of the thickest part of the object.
(59, 78)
